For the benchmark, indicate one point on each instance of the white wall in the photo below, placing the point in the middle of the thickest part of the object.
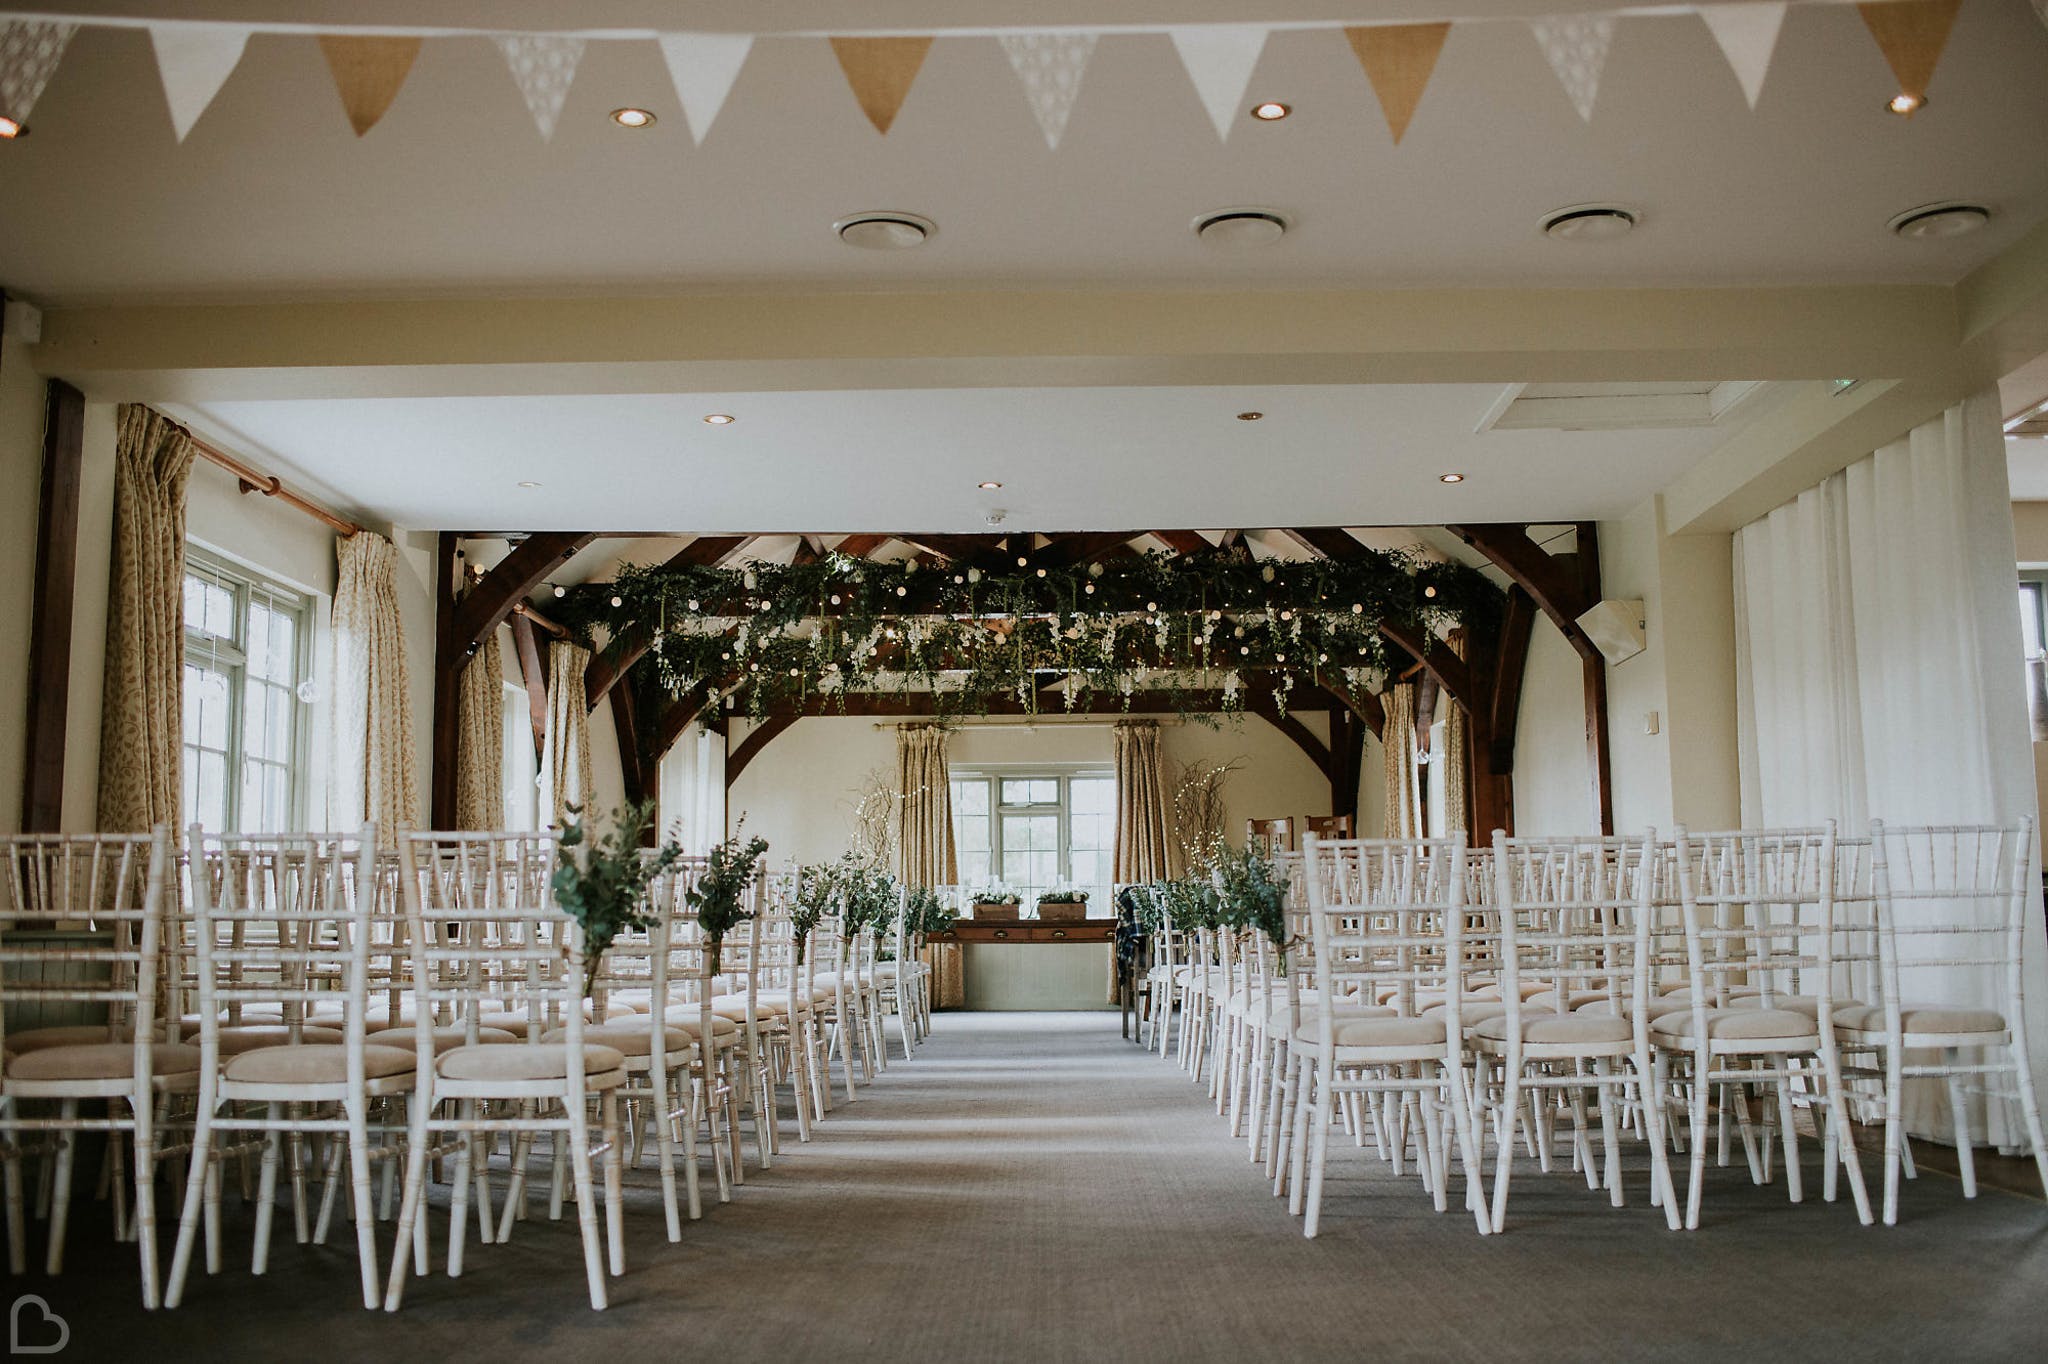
(800, 792)
(1553, 786)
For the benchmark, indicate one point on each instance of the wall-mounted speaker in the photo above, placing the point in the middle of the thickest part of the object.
(1616, 629)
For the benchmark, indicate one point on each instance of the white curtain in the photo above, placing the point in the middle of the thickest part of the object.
(565, 754)
(1878, 663)
(692, 786)
(372, 775)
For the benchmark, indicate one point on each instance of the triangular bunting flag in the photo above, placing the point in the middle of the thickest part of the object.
(703, 67)
(543, 65)
(880, 70)
(1576, 47)
(1051, 66)
(2041, 8)
(1398, 60)
(1911, 34)
(368, 73)
(1220, 59)
(29, 52)
(1748, 34)
(195, 61)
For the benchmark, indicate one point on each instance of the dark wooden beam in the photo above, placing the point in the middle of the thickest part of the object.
(1510, 664)
(1555, 582)
(757, 739)
(633, 773)
(492, 598)
(51, 596)
(860, 546)
(1450, 672)
(1347, 753)
(449, 658)
(1594, 669)
(619, 654)
(963, 549)
(533, 671)
(676, 717)
(1183, 541)
(1069, 550)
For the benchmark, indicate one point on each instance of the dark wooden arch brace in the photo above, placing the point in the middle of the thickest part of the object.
(620, 654)
(1563, 586)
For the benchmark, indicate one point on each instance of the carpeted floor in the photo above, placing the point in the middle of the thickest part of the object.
(1032, 1188)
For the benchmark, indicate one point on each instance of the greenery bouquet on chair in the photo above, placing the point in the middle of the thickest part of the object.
(603, 884)
(720, 895)
(867, 896)
(812, 896)
(926, 912)
(1251, 893)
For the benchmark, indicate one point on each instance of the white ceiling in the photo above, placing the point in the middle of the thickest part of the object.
(455, 192)
(1069, 459)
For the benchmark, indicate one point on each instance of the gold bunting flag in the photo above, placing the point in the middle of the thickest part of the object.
(880, 71)
(1398, 60)
(1911, 34)
(368, 73)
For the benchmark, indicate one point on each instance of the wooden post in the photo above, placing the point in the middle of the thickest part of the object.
(449, 659)
(49, 641)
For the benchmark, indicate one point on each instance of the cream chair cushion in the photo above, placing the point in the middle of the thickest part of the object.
(1913, 1018)
(314, 1065)
(251, 1036)
(75, 1035)
(445, 1038)
(543, 1061)
(632, 1039)
(686, 1017)
(1381, 1032)
(1740, 1025)
(1558, 1029)
(103, 1061)
(1657, 1006)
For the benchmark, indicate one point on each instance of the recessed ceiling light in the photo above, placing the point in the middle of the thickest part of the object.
(1272, 111)
(1249, 416)
(720, 419)
(633, 118)
(989, 484)
(1450, 478)
(1940, 220)
(1588, 222)
(1905, 104)
(885, 230)
(528, 483)
(1241, 227)
(10, 127)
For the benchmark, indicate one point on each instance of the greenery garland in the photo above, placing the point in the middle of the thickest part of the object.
(1177, 624)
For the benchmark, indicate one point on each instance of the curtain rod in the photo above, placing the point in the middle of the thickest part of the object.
(270, 486)
(520, 608)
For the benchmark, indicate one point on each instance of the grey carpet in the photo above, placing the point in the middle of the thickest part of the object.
(1032, 1188)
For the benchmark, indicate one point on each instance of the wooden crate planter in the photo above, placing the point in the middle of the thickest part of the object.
(1063, 911)
(1005, 912)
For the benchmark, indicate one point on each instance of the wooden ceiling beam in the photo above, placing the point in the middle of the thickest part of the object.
(1183, 541)
(491, 599)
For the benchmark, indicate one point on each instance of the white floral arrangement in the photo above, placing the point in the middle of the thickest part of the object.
(993, 892)
(1063, 893)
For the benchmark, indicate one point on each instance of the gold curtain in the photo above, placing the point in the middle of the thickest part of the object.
(480, 739)
(1404, 792)
(1450, 769)
(565, 756)
(373, 775)
(142, 716)
(924, 838)
(1144, 848)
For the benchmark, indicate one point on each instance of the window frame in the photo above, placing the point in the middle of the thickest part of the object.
(993, 775)
(229, 656)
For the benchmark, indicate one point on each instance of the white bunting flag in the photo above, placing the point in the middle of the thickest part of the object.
(543, 64)
(1051, 66)
(1220, 59)
(1576, 48)
(195, 60)
(1748, 34)
(704, 67)
(29, 52)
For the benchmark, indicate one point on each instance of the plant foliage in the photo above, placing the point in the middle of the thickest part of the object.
(720, 895)
(603, 884)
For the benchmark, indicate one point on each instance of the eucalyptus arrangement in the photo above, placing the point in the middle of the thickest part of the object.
(810, 899)
(925, 912)
(1190, 902)
(602, 884)
(719, 896)
(867, 896)
(1251, 894)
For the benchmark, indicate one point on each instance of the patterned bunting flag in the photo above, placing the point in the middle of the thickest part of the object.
(29, 52)
(543, 65)
(1051, 66)
(1576, 48)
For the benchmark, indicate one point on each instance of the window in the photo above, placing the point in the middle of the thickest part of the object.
(247, 652)
(521, 766)
(1035, 829)
(2034, 641)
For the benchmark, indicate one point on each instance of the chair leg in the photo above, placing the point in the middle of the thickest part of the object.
(359, 1187)
(60, 1190)
(266, 1192)
(578, 1139)
(458, 1200)
(1959, 1118)
(145, 1197)
(405, 1246)
(197, 1166)
(1894, 1131)
(17, 1214)
(1319, 1148)
(1794, 1184)
(614, 1187)
(664, 1152)
(1698, 1137)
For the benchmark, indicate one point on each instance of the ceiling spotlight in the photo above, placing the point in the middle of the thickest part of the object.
(561, 591)
(885, 230)
(1249, 416)
(12, 127)
(720, 419)
(1940, 220)
(1905, 104)
(1450, 478)
(1588, 222)
(1272, 111)
(1241, 227)
(528, 483)
(988, 484)
(632, 118)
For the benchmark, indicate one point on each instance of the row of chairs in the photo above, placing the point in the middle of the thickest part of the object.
(1693, 992)
(338, 1012)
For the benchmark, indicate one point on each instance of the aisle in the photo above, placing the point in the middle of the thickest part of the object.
(1030, 1187)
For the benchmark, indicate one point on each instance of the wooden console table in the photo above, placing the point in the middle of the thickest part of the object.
(1071, 969)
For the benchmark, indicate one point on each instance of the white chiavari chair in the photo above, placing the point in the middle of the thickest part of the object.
(1948, 1019)
(1758, 911)
(129, 1062)
(283, 926)
(485, 931)
(1574, 917)
(692, 988)
(1385, 913)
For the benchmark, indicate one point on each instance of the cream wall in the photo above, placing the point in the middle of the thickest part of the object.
(2030, 533)
(800, 793)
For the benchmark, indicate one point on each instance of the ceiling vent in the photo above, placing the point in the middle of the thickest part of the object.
(885, 230)
(1615, 407)
(1588, 222)
(1930, 221)
(1241, 227)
